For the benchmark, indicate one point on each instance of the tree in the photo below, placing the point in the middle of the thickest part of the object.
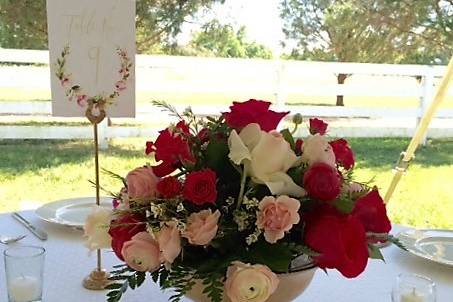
(221, 40)
(23, 23)
(375, 31)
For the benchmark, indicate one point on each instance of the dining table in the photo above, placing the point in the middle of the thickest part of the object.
(68, 262)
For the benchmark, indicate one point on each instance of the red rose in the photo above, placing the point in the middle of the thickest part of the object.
(172, 148)
(343, 153)
(341, 242)
(123, 229)
(298, 146)
(253, 111)
(322, 182)
(183, 127)
(203, 135)
(200, 187)
(370, 211)
(318, 126)
(169, 187)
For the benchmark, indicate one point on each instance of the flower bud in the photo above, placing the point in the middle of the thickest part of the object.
(297, 119)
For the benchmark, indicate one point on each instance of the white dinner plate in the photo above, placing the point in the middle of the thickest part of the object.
(434, 245)
(71, 212)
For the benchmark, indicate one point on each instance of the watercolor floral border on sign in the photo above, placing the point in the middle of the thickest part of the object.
(76, 92)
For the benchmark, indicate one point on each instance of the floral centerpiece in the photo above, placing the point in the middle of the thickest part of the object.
(231, 203)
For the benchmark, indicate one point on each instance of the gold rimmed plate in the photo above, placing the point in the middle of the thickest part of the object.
(433, 245)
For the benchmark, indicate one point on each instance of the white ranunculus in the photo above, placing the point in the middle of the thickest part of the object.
(267, 156)
(250, 283)
(96, 228)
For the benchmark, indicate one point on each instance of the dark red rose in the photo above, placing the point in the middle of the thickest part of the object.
(172, 148)
(322, 182)
(123, 229)
(343, 153)
(298, 146)
(318, 126)
(253, 111)
(340, 241)
(203, 135)
(183, 127)
(370, 211)
(200, 187)
(169, 187)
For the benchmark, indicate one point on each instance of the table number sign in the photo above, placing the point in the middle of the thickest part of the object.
(92, 56)
(92, 51)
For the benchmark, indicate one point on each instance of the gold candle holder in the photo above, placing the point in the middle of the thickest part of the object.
(98, 279)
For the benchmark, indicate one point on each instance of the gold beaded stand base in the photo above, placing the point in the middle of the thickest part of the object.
(97, 280)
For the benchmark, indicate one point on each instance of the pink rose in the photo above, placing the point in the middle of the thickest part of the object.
(141, 183)
(142, 253)
(202, 227)
(120, 85)
(65, 82)
(169, 241)
(82, 100)
(277, 216)
(247, 282)
(353, 187)
(315, 149)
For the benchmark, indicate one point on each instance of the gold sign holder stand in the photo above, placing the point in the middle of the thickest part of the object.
(406, 157)
(98, 278)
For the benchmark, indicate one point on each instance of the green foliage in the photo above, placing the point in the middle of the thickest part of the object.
(396, 242)
(370, 30)
(221, 40)
(128, 278)
(23, 23)
(264, 252)
(344, 204)
(374, 252)
(213, 287)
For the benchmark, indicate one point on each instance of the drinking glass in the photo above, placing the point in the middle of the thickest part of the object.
(413, 288)
(24, 266)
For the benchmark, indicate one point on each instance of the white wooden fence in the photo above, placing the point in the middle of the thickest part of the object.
(189, 75)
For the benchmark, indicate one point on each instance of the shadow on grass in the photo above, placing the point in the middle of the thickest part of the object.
(383, 153)
(19, 156)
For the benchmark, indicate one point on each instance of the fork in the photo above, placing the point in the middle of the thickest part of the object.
(8, 239)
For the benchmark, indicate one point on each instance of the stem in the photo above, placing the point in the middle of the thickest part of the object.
(296, 126)
(179, 174)
(241, 191)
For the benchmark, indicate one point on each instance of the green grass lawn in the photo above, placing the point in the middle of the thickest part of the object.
(42, 171)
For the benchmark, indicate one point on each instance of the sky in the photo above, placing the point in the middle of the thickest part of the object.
(260, 17)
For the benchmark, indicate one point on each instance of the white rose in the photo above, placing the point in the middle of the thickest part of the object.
(96, 228)
(316, 148)
(266, 157)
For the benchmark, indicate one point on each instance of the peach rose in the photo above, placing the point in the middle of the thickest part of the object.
(267, 156)
(202, 227)
(316, 148)
(250, 283)
(96, 229)
(142, 253)
(141, 184)
(169, 241)
(277, 216)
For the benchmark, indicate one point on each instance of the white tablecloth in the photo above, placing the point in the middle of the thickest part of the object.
(68, 262)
